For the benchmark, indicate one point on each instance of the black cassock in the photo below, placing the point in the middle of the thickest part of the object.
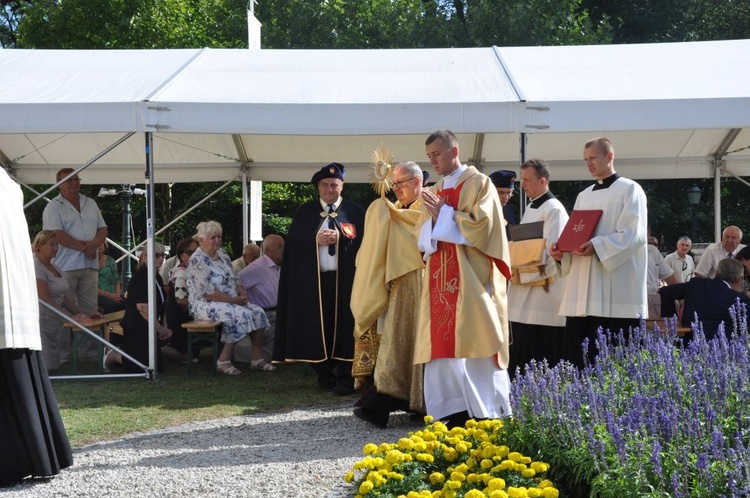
(300, 331)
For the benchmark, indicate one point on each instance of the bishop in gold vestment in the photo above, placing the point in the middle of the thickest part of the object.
(385, 301)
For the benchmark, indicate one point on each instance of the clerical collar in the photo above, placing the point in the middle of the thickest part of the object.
(450, 181)
(536, 203)
(607, 182)
(336, 204)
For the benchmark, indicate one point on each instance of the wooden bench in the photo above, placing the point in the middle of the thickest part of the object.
(651, 325)
(199, 330)
(98, 325)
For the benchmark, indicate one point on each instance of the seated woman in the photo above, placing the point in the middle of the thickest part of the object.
(215, 293)
(52, 288)
(110, 292)
(177, 296)
(135, 340)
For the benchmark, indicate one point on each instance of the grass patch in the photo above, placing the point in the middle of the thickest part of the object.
(96, 410)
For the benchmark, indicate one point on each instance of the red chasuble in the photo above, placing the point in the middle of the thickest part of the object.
(444, 283)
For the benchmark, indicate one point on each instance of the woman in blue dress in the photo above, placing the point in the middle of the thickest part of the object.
(215, 293)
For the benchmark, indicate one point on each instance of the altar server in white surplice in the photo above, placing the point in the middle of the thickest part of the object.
(605, 280)
(534, 297)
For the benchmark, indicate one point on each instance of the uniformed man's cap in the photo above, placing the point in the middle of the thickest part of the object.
(503, 178)
(333, 170)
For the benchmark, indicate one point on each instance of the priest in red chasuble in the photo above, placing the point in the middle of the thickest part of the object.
(462, 336)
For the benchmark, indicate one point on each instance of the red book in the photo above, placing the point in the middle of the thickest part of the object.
(579, 229)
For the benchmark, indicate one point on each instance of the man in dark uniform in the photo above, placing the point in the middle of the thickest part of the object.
(314, 322)
(503, 180)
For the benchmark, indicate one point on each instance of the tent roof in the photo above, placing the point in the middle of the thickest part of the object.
(668, 108)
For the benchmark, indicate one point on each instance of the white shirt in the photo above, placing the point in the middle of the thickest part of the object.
(534, 305)
(19, 304)
(683, 268)
(710, 258)
(327, 262)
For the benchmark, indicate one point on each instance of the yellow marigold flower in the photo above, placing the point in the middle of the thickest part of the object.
(474, 493)
(385, 447)
(428, 419)
(540, 467)
(349, 477)
(429, 436)
(365, 487)
(507, 465)
(498, 493)
(519, 467)
(440, 427)
(437, 478)
(528, 473)
(394, 456)
(425, 457)
(378, 462)
(471, 423)
(516, 492)
(496, 483)
(550, 493)
(486, 464)
(545, 484)
(450, 454)
(526, 460)
(395, 475)
(448, 494)
(453, 484)
(473, 478)
(488, 451)
(369, 448)
(502, 450)
(515, 456)
(534, 493)
(462, 447)
(412, 494)
(405, 444)
(463, 468)
(458, 476)
(452, 440)
(471, 463)
(420, 446)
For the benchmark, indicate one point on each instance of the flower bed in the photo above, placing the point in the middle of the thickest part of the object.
(650, 418)
(468, 462)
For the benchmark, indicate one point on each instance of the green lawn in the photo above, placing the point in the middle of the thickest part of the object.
(95, 410)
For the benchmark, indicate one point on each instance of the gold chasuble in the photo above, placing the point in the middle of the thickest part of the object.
(463, 311)
(387, 284)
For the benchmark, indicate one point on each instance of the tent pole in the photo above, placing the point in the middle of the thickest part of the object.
(151, 260)
(717, 199)
(245, 210)
(522, 195)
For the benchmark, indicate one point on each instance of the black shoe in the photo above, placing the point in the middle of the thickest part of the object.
(343, 390)
(376, 419)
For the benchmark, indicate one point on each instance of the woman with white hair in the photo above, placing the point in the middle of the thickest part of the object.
(215, 293)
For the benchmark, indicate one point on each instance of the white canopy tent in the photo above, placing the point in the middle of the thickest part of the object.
(670, 109)
(677, 110)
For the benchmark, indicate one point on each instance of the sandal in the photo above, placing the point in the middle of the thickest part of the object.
(262, 365)
(227, 368)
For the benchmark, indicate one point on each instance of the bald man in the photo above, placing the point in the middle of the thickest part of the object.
(250, 253)
(261, 282)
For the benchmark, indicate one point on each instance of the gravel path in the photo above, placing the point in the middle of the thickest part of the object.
(303, 453)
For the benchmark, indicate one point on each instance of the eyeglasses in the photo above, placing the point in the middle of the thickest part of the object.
(402, 183)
